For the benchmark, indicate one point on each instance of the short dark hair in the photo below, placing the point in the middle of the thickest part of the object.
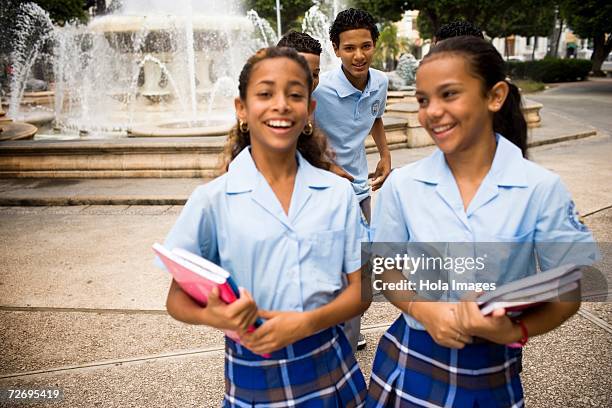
(457, 29)
(301, 42)
(352, 19)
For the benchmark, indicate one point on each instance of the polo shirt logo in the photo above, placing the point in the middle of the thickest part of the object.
(375, 107)
(574, 217)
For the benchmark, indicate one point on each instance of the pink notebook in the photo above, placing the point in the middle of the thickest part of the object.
(198, 276)
(196, 281)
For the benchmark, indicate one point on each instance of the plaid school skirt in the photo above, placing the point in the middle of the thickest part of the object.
(318, 371)
(411, 370)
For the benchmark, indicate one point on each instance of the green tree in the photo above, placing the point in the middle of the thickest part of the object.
(591, 19)
(435, 13)
(62, 11)
(527, 18)
(292, 12)
(501, 17)
(387, 10)
(387, 48)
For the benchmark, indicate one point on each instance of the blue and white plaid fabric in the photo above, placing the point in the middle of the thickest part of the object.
(318, 371)
(411, 370)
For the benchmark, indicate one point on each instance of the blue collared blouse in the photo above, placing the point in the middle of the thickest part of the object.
(517, 202)
(288, 262)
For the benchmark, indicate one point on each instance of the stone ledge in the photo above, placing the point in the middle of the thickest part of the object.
(158, 157)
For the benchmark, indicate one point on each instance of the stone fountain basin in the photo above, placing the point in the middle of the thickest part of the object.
(10, 130)
(131, 23)
(210, 127)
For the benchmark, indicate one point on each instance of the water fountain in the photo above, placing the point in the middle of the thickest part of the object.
(157, 64)
(151, 68)
(135, 91)
(316, 23)
(149, 63)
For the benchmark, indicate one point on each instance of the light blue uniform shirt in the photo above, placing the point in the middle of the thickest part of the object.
(346, 115)
(287, 262)
(518, 201)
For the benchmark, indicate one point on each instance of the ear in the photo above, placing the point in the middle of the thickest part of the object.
(240, 109)
(336, 49)
(497, 96)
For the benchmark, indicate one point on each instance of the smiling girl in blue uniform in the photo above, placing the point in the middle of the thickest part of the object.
(476, 187)
(286, 230)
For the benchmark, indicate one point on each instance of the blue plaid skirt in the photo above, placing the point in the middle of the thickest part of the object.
(411, 370)
(318, 371)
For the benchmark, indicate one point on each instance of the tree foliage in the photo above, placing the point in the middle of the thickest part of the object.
(386, 10)
(62, 11)
(292, 11)
(528, 18)
(497, 18)
(387, 48)
(591, 19)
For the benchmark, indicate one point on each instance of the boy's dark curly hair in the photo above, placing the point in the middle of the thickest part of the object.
(458, 29)
(301, 42)
(352, 19)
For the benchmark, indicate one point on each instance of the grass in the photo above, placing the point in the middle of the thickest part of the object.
(529, 86)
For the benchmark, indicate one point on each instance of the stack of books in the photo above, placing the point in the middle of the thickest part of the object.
(198, 276)
(528, 292)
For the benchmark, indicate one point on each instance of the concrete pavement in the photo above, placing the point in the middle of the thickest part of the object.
(82, 306)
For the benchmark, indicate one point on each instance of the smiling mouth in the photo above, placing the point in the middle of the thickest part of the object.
(279, 124)
(442, 128)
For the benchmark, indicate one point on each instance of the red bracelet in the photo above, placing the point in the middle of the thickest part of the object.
(525, 335)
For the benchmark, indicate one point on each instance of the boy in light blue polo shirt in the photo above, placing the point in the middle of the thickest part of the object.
(351, 101)
(350, 104)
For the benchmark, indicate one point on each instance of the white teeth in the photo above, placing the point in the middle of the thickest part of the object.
(279, 123)
(440, 129)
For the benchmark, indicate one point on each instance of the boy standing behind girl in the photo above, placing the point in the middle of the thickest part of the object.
(351, 101)
(350, 104)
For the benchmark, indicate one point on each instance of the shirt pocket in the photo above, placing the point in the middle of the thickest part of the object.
(511, 256)
(325, 259)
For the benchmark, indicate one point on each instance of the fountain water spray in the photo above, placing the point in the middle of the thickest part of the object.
(266, 36)
(148, 62)
(34, 30)
(316, 23)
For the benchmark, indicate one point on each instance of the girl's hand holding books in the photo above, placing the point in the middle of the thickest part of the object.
(496, 327)
(279, 330)
(237, 316)
(440, 321)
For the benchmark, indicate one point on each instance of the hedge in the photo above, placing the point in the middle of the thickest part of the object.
(550, 70)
